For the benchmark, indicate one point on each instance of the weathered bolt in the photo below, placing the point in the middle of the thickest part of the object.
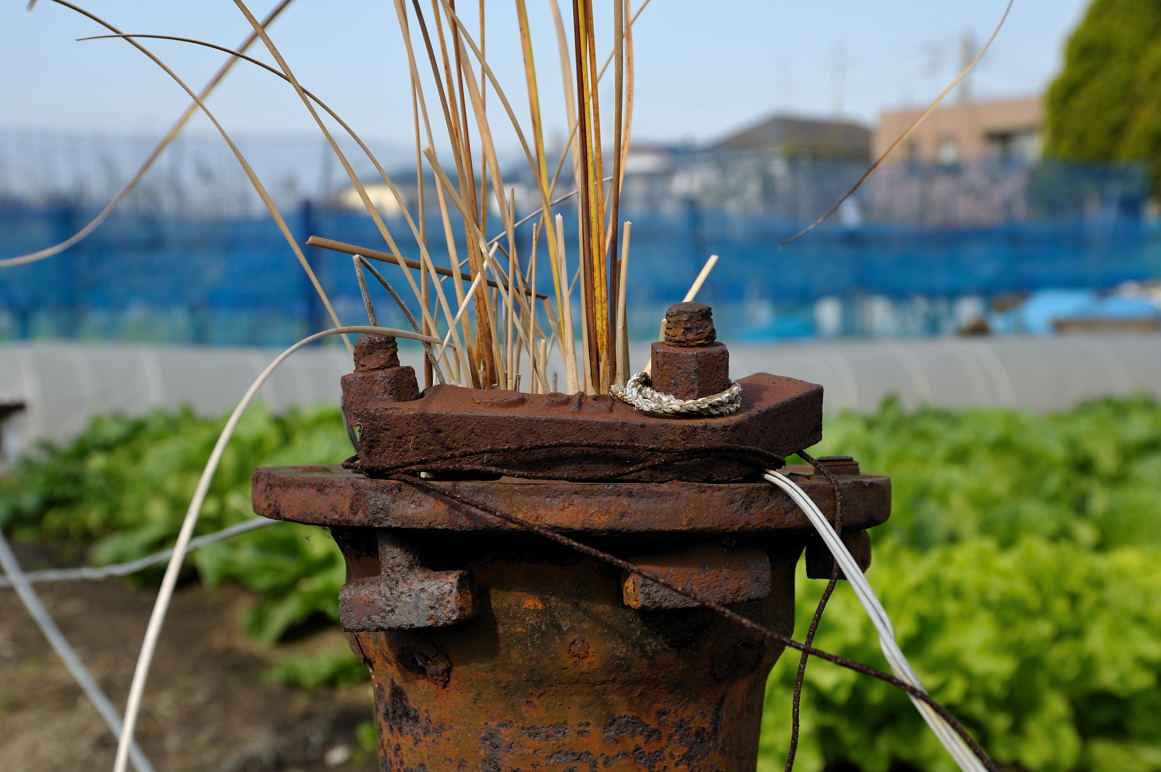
(689, 324)
(689, 363)
(377, 375)
(375, 352)
(837, 465)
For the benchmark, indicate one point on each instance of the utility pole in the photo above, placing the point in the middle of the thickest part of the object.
(838, 72)
(967, 52)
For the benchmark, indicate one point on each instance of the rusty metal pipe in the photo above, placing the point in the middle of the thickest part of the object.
(492, 649)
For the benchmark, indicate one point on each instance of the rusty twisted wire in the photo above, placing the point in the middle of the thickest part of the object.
(808, 641)
(456, 461)
(407, 473)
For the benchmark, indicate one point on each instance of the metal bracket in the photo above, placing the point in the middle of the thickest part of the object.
(405, 595)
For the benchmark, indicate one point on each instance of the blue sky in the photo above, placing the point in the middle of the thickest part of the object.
(703, 68)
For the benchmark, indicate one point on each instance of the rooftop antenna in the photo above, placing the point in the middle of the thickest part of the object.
(783, 83)
(838, 70)
(967, 51)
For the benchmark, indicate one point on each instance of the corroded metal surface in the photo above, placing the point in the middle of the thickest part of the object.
(689, 324)
(404, 594)
(495, 649)
(333, 496)
(712, 571)
(556, 673)
(778, 415)
(377, 371)
(690, 372)
(689, 363)
(556, 661)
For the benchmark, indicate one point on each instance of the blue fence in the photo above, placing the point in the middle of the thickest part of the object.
(149, 277)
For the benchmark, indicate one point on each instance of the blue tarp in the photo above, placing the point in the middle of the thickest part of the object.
(243, 268)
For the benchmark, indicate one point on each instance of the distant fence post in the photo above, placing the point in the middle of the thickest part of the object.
(23, 318)
(66, 217)
(316, 315)
(693, 223)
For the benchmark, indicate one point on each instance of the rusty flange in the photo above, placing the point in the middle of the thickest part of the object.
(332, 496)
(491, 649)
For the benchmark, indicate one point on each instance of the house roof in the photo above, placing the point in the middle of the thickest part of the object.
(802, 137)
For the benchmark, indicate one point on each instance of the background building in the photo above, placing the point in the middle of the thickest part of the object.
(1000, 130)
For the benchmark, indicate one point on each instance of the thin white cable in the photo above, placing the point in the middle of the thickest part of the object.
(97, 573)
(61, 646)
(951, 741)
(181, 545)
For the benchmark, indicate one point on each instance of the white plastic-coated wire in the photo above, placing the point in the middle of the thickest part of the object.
(181, 545)
(97, 573)
(951, 741)
(61, 646)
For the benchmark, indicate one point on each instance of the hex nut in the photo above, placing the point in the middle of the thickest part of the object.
(690, 373)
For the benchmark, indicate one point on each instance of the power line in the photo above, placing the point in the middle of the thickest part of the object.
(97, 573)
(63, 650)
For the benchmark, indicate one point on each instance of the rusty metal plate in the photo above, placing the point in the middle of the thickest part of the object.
(779, 415)
(333, 496)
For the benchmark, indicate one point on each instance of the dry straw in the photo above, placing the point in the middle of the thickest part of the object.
(501, 331)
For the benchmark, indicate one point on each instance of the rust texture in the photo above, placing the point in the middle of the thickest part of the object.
(688, 372)
(377, 371)
(689, 364)
(404, 594)
(491, 648)
(779, 415)
(714, 572)
(689, 324)
(556, 673)
(332, 496)
(375, 352)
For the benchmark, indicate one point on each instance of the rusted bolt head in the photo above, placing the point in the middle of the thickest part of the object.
(689, 324)
(839, 464)
(690, 372)
(375, 352)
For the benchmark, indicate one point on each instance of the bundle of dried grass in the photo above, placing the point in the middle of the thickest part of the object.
(499, 332)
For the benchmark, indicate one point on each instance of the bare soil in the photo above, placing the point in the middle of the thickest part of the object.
(209, 703)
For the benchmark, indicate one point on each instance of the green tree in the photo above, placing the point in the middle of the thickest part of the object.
(1106, 103)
